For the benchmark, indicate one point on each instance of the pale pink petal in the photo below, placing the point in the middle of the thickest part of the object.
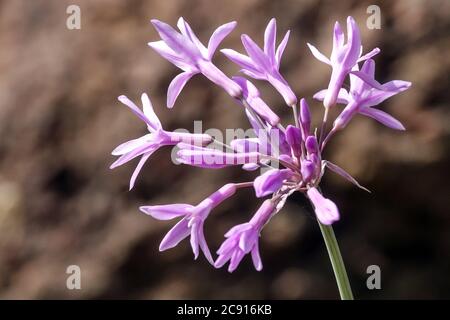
(176, 86)
(149, 112)
(270, 36)
(318, 55)
(179, 232)
(167, 211)
(280, 49)
(382, 117)
(217, 37)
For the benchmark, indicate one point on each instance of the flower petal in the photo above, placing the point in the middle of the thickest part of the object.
(204, 246)
(382, 117)
(187, 31)
(256, 257)
(241, 60)
(270, 36)
(280, 49)
(130, 104)
(255, 53)
(150, 147)
(179, 44)
(343, 96)
(150, 113)
(167, 211)
(179, 232)
(217, 37)
(138, 169)
(353, 44)
(164, 51)
(131, 145)
(318, 55)
(176, 86)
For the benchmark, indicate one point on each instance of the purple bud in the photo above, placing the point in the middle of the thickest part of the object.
(311, 145)
(294, 139)
(307, 170)
(305, 118)
(326, 210)
(271, 181)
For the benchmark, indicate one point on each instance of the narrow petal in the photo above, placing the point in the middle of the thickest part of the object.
(270, 36)
(150, 113)
(130, 104)
(338, 36)
(367, 79)
(194, 239)
(280, 49)
(382, 117)
(179, 232)
(186, 30)
(255, 53)
(338, 170)
(256, 258)
(241, 60)
(204, 246)
(177, 42)
(236, 258)
(167, 211)
(318, 55)
(217, 37)
(238, 229)
(150, 147)
(176, 86)
(353, 43)
(391, 88)
(343, 96)
(138, 169)
(164, 51)
(131, 145)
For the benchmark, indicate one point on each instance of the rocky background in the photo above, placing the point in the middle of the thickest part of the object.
(59, 120)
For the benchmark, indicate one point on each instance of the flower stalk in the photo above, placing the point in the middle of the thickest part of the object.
(337, 263)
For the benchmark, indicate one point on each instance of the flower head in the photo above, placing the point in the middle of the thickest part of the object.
(264, 64)
(344, 57)
(186, 51)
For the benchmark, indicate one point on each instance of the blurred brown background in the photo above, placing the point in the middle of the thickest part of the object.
(59, 120)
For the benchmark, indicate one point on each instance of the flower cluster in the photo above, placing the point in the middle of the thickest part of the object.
(290, 158)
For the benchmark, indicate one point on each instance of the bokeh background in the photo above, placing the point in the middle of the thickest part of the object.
(59, 120)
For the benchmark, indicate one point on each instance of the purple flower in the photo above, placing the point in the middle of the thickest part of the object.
(192, 222)
(264, 65)
(243, 239)
(326, 210)
(146, 145)
(344, 57)
(187, 52)
(365, 93)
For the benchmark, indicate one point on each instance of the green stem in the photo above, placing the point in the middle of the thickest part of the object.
(336, 261)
